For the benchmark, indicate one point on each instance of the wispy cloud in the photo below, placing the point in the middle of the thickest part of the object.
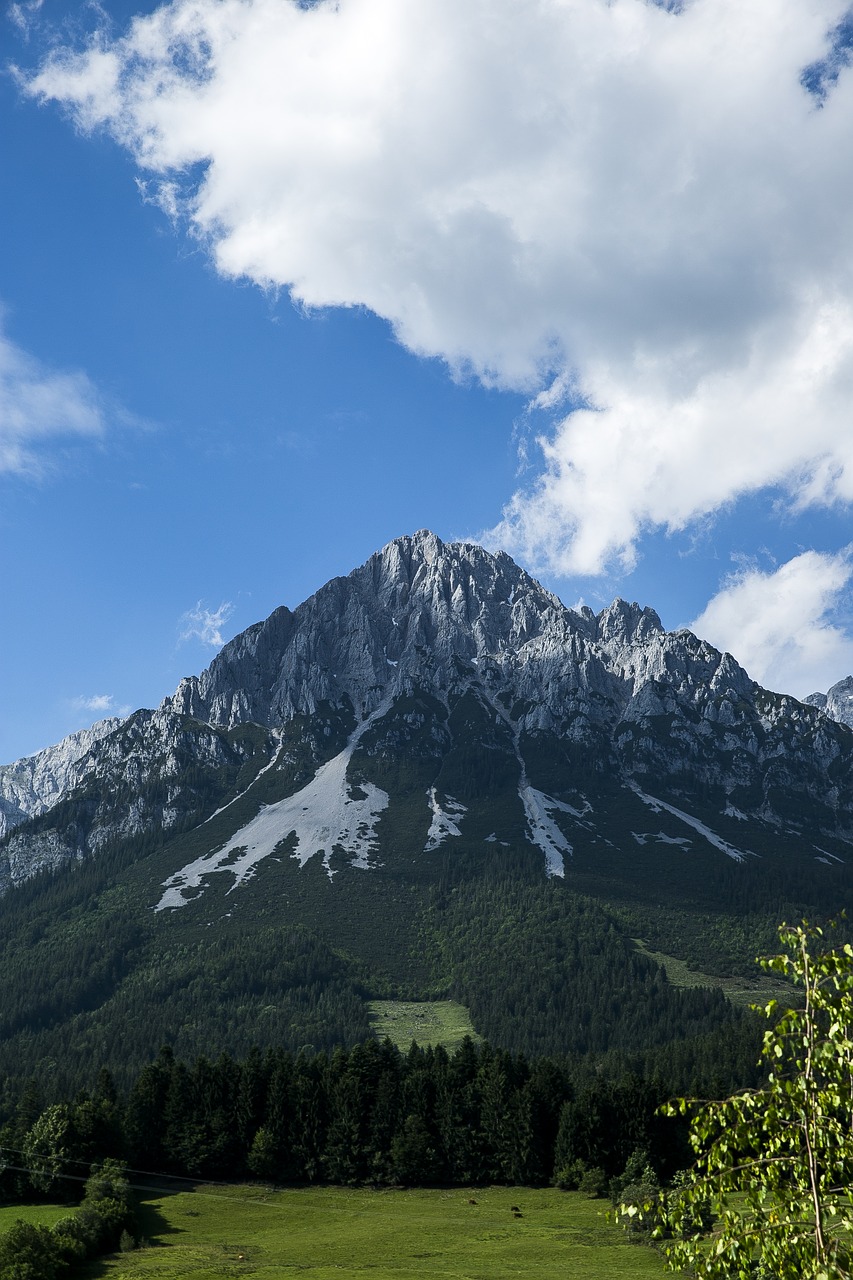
(40, 406)
(201, 623)
(23, 14)
(643, 202)
(781, 624)
(100, 704)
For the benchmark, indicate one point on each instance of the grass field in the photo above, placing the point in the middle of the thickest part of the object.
(740, 991)
(43, 1214)
(427, 1021)
(332, 1233)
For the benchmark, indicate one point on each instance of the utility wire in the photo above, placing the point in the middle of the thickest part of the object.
(135, 1186)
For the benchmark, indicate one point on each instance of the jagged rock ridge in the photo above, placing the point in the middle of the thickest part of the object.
(31, 785)
(483, 657)
(837, 702)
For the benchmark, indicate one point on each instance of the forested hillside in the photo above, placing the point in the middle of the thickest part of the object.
(542, 968)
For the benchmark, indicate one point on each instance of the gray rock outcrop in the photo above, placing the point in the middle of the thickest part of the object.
(615, 691)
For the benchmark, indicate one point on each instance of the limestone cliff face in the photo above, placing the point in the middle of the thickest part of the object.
(421, 613)
(33, 784)
(404, 617)
(837, 703)
(640, 705)
(428, 614)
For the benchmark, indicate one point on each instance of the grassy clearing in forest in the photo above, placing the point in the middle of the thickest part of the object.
(430, 1022)
(741, 992)
(330, 1232)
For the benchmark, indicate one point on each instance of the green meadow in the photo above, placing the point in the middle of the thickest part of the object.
(40, 1214)
(740, 991)
(209, 1233)
(430, 1022)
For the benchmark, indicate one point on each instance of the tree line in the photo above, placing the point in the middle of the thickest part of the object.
(366, 1115)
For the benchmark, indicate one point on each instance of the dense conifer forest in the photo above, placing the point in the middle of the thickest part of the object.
(369, 1115)
(542, 968)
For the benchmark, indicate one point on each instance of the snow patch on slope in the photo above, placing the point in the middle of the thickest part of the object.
(711, 836)
(277, 737)
(542, 828)
(445, 821)
(828, 857)
(660, 837)
(322, 816)
(538, 807)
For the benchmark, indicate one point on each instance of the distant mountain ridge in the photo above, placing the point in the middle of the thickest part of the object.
(32, 784)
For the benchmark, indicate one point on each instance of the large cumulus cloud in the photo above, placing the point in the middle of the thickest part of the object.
(649, 204)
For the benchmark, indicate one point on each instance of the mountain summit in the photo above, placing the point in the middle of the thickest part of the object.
(442, 682)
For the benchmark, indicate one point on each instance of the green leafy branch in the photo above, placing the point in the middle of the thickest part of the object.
(771, 1192)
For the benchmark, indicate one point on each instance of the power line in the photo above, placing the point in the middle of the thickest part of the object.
(192, 1183)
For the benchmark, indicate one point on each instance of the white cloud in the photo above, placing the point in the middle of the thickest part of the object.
(201, 623)
(779, 625)
(100, 704)
(38, 405)
(23, 14)
(643, 204)
(781, 415)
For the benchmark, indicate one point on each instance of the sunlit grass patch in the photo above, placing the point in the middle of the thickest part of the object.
(429, 1022)
(39, 1214)
(330, 1232)
(740, 991)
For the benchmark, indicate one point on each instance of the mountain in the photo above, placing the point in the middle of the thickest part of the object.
(419, 649)
(31, 785)
(837, 703)
(425, 771)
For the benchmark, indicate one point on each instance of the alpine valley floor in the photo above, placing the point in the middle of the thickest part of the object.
(211, 1232)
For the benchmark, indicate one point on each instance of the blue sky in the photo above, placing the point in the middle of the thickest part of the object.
(281, 283)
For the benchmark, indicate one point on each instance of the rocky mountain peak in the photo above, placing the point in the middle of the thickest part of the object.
(403, 616)
(32, 784)
(622, 623)
(444, 626)
(837, 703)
